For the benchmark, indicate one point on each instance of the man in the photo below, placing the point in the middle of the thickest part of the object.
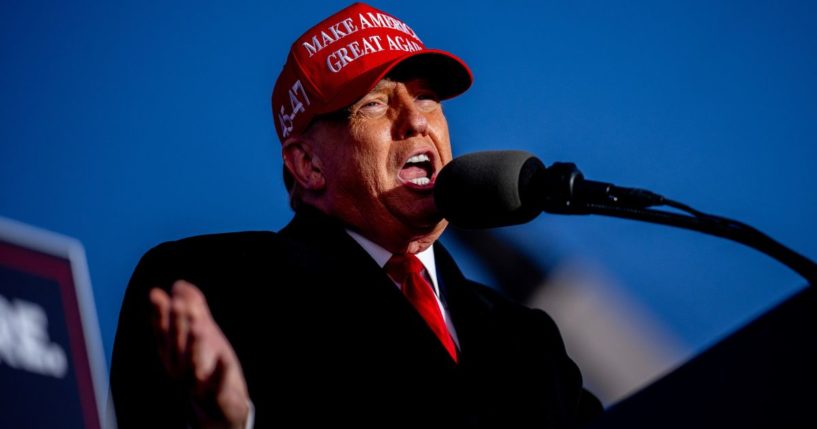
(352, 313)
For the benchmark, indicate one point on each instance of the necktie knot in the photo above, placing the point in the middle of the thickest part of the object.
(400, 267)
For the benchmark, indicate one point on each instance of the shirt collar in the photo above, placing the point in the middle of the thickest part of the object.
(381, 256)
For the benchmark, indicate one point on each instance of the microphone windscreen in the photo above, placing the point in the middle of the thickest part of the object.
(490, 189)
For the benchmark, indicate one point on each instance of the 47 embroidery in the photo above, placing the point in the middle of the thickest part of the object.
(296, 105)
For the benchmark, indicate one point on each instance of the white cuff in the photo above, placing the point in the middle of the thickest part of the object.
(250, 417)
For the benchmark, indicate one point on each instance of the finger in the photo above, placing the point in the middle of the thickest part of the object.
(204, 346)
(160, 307)
(233, 398)
(223, 395)
(160, 312)
(204, 339)
(208, 390)
(179, 334)
(191, 321)
(193, 296)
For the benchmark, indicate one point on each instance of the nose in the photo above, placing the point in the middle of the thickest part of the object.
(410, 121)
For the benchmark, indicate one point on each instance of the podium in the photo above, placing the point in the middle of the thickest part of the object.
(764, 376)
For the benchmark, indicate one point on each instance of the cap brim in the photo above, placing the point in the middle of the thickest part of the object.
(448, 75)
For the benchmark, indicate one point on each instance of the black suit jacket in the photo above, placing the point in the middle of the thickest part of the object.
(325, 337)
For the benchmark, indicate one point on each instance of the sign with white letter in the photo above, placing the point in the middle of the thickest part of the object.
(52, 370)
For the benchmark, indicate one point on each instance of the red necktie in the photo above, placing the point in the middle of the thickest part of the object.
(407, 271)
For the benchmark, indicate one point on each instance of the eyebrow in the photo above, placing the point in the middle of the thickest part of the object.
(382, 83)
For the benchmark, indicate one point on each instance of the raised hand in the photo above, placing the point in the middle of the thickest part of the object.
(196, 353)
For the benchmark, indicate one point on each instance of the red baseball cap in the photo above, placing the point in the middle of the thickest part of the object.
(341, 59)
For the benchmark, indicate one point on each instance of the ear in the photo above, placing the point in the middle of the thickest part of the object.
(302, 162)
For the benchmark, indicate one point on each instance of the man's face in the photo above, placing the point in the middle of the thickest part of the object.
(380, 165)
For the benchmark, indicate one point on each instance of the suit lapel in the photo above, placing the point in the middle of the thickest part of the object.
(473, 315)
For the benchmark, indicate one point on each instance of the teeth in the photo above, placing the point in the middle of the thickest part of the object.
(421, 181)
(418, 158)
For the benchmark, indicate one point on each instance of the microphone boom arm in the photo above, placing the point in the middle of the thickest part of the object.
(575, 195)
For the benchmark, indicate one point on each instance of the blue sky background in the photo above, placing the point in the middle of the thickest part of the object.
(128, 123)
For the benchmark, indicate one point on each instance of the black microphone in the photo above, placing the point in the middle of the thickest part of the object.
(489, 189)
(499, 188)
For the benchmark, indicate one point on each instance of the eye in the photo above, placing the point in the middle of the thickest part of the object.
(372, 107)
(427, 101)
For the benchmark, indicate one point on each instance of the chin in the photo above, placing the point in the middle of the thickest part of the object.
(416, 212)
(429, 222)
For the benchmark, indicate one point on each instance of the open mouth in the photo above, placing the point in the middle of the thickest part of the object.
(418, 171)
